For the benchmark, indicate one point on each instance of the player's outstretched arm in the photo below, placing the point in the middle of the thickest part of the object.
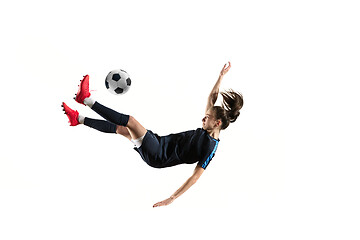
(215, 91)
(191, 181)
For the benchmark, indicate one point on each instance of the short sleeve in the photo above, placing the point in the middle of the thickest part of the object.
(205, 162)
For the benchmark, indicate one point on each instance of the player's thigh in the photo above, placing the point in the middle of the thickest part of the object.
(136, 130)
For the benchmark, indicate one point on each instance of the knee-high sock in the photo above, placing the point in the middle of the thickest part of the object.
(100, 125)
(111, 115)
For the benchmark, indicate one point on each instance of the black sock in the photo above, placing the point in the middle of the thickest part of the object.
(111, 115)
(100, 125)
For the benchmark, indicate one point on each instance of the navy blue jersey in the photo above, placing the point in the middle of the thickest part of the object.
(185, 147)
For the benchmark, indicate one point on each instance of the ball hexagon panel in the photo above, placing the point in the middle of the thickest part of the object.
(116, 77)
(128, 81)
(119, 90)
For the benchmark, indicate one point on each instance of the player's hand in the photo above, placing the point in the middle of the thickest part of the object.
(225, 69)
(164, 203)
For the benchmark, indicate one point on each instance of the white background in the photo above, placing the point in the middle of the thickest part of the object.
(287, 169)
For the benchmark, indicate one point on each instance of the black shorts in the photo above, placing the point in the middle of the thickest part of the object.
(150, 149)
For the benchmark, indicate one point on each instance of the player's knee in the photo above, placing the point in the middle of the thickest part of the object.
(123, 131)
(118, 129)
(131, 122)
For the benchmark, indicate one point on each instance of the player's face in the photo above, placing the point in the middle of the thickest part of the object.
(209, 121)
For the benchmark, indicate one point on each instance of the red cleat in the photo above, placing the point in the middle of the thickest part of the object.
(83, 91)
(71, 114)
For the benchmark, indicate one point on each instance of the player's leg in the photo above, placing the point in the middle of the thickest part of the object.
(83, 96)
(123, 131)
(135, 129)
(107, 113)
(101, 125)
(125, 124)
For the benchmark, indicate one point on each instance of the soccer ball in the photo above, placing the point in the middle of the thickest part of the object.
(118, 82)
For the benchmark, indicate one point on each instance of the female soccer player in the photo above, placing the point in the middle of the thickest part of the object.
(186, 147)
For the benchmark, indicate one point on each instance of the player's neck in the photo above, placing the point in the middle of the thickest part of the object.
(214, 133)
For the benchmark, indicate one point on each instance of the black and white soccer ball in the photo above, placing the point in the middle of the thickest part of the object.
(118, 82)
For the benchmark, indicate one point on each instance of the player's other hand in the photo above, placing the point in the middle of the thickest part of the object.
(225, 69)
(164, 203)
